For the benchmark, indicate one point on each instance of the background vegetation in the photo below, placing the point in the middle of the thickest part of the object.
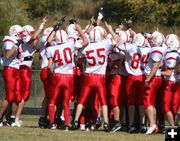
(146, 14)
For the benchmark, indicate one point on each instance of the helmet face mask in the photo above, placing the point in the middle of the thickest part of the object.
(172, 41)
(16, 32)
(27, 33)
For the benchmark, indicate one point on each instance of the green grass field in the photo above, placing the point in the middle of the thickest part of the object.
(30, 132)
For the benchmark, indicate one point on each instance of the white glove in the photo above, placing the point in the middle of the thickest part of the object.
(100, 16)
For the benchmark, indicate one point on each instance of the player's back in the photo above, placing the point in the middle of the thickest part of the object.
(96, 57)
(62, 57)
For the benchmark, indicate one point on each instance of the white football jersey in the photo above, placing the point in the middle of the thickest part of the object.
(135, 58)
(96, 55)
(42, 53)
(62, 56)
(14, 60)
(171, 62)
(156, 54)
(27, 52)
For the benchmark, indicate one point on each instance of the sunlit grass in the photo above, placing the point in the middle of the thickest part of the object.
(30, 132)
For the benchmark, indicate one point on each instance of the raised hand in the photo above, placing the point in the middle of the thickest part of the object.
(108, 26)
(45, 19)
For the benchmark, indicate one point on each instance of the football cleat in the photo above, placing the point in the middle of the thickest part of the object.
(98, 122)
(143, 128)
(82, 127)
(75, 125)
(106, 126)
(132, 129)
(18, 123)
(43, 122)
(152, 129)
(66, 128)
(117, 126)
(52, 126)
(11, 122)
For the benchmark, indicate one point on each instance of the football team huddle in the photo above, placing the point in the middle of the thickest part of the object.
(128, 80)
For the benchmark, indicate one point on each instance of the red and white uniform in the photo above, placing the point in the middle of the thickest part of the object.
(44, 75)
(42, 53)
(135, 59)
(63, 79)
(94, 76)
(171, 97)
(10, 70)
(156, 54)
(25, 69)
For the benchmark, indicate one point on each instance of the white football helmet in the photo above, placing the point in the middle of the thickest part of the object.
(172, 41)
(123, 37)
(16, 32)
(71, 30)
(156, 39)
(47, 31)
(97, 34)
(61, 37)
(28, 30)
(139, 40)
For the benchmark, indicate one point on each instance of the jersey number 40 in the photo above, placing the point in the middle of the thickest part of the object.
(66, 56)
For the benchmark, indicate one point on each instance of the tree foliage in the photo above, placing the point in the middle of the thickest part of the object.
(164, 12)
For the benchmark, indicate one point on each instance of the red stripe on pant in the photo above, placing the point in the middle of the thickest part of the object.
(45, 78)
(12, 84)
(93, 82)
(60, 84)
(171, 97)
(150, 94)
(135, 89)
(25, 82)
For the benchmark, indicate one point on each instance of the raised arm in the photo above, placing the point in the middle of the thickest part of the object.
(38, 32)
(82, 35)
(114, 35)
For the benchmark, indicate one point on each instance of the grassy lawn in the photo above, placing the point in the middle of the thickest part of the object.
(31, 132)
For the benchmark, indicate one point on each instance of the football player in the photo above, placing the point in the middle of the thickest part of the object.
(172, 86)
(11, 61)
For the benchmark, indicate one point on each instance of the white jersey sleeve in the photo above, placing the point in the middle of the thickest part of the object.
(14, 60)
(171, 62)
(156, 55)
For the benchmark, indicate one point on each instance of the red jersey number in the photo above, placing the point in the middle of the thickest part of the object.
(67, 55)
(100, 54)
(136, 60)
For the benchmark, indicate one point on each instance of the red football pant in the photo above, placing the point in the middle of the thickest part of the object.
(151, 93)
(135, 89)
(60, 84)
(96, 83)
(45, 78)
(12, 84)
(171, 97)
(25, 82)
